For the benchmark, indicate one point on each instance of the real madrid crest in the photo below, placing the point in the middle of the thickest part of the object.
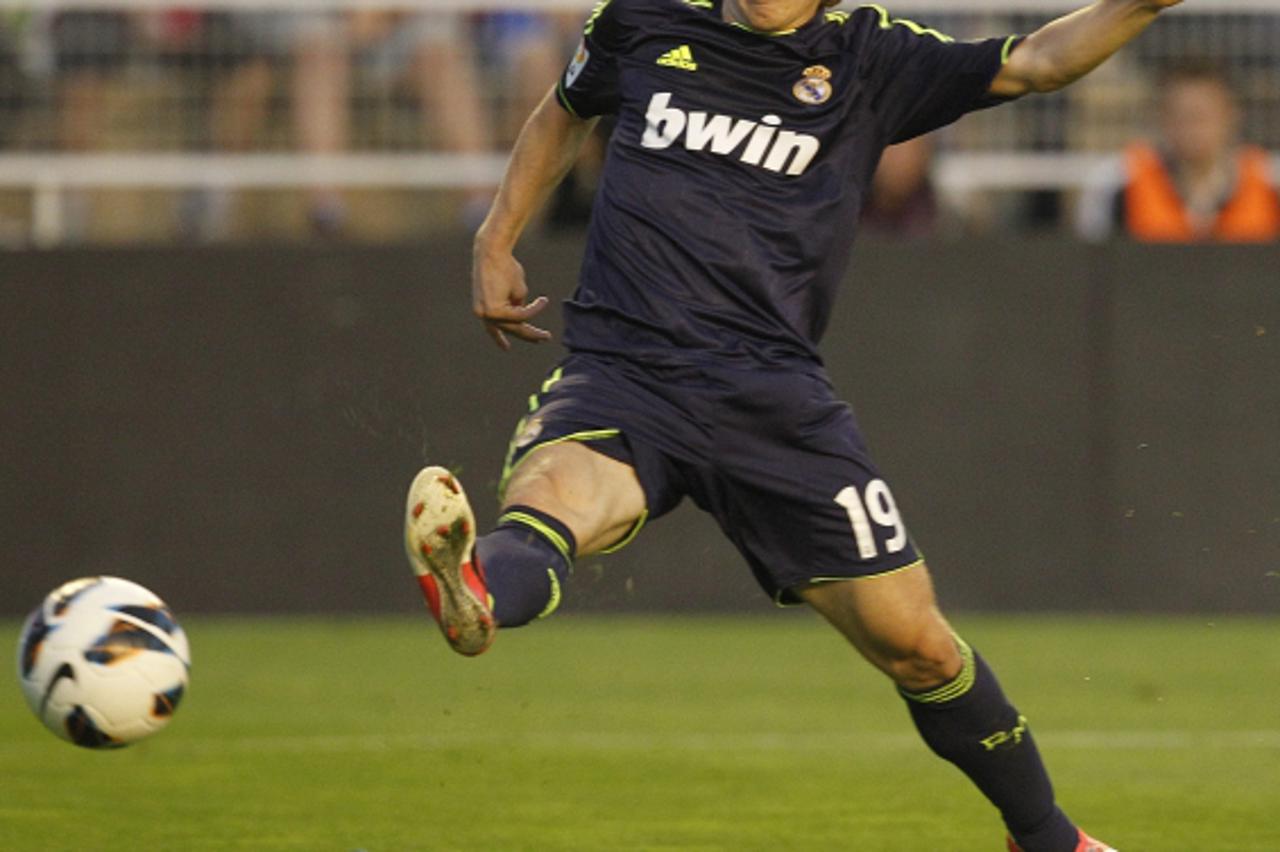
(815, 88)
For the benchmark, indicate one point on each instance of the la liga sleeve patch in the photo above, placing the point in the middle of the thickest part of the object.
(577, 64)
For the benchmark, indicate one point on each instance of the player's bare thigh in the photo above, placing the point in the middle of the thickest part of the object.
(893, 620)
(597, 497)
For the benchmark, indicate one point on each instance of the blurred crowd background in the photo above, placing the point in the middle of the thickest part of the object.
(148, 123)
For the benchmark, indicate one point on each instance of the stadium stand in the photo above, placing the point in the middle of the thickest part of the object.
(164, 107)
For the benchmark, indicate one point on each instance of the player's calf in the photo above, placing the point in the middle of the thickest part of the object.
(928, 659)
(525, 560)
(506, 578)
(969, 722)
(953, 696)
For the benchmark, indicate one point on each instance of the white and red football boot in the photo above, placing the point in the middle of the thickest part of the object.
(439, 538)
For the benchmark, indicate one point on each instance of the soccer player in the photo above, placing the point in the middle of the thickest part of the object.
(747, 134)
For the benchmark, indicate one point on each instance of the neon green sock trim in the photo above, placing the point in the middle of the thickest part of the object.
(557, 540)
(957, 687)
(555, 595)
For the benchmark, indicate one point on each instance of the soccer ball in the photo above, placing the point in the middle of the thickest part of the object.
(102, 662)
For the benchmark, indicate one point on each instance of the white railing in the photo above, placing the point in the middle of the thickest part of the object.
(48, 176)
(1001, 150)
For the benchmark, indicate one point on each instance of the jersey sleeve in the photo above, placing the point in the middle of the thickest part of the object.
(589, 85)
(924, 79)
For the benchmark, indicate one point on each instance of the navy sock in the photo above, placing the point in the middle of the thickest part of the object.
(524, 560)
(970, 723)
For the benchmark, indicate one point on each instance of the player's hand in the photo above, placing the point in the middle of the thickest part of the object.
(498, 293)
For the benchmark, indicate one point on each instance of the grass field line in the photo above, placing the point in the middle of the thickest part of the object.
(817, 742)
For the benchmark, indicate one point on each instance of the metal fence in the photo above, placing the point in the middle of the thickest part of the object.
(426, 94)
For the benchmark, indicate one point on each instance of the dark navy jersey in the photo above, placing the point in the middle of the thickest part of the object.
(738, 167)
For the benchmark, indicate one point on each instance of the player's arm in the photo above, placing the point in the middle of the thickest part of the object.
(547, 148)
(1066, 49)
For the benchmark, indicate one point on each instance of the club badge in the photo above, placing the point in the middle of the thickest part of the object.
(815, 88)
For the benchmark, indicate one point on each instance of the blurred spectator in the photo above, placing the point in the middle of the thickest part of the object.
(903, 202)
(430, 53)
(89, 48)
(319, 83)
(13, 82)
(14, 87)
(433, 55)
(531, 49)
(1198, 183)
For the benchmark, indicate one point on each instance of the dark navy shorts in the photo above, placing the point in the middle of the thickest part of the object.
(770, 453)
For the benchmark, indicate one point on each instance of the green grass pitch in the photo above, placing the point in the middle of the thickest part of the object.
(592, 733)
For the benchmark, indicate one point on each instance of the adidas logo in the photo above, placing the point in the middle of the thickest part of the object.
(680, 57)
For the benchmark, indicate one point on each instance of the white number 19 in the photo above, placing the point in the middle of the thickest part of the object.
(879, 507)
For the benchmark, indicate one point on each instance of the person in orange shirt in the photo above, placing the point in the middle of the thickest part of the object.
(1199, 183)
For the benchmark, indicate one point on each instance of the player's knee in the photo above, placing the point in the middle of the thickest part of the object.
(541, 486)
(930, 658)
